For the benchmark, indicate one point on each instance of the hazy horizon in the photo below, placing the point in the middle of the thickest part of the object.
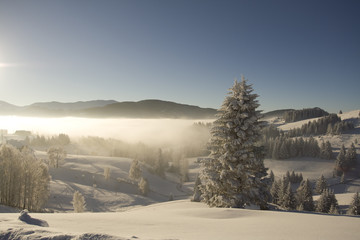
(346, 109)
(148, 131)
(296, 54)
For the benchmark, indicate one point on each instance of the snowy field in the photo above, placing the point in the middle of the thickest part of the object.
(183, 220)
(116, 210)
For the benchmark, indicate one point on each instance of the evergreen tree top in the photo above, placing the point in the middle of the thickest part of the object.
(240, 97)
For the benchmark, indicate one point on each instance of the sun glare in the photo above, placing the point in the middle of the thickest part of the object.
(5, 65)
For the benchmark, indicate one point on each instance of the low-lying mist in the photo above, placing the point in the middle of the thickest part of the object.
(149, 131)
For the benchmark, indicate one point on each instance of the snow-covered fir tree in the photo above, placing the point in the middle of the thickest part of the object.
(235, 174)
(288, 199)
(197, 192)
(78, 202)
(283, 193)
(321, 185)
(274, 191)
(340, 163)
(304, 196)
(144, 187)
(334, 210)
(135, 170)
(325, 201)
(351, 156)
(354, 208)
(326, 150)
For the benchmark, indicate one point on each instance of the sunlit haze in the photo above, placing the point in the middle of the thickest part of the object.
(149, 131)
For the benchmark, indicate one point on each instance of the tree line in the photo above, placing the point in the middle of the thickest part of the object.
(302, 199)
(346, 160)
(284, 147)
(24, 179)
(306, 113)
(331, 124)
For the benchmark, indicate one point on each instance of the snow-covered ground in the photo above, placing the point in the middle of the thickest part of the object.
(86, 175)
(313, 168)
(184, 220)
(115, 208)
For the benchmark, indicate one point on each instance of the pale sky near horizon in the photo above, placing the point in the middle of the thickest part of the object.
(297, 54)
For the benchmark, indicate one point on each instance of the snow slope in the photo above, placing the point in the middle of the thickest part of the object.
(185, 220)
(86, 175)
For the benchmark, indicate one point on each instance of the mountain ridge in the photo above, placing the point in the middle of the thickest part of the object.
(150, 108)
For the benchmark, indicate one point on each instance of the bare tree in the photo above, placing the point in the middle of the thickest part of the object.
(56, 156)
(24, 179)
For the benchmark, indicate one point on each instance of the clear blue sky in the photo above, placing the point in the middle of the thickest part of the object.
(295, 53)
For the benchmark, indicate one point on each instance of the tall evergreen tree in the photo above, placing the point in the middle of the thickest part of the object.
(289, 201)
(326, 200)
(304, 196)
(354, 208)
(351, 156)
(321, 185)
(328, 150)
(340, 163)
(283, 188)
(235, 174)
(274, 191)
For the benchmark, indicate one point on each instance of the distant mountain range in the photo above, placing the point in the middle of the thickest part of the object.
(109, 109)
(112, 109)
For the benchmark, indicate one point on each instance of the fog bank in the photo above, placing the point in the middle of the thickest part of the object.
(130, 130)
